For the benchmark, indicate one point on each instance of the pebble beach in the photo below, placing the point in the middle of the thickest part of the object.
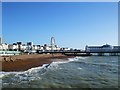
(25, 62)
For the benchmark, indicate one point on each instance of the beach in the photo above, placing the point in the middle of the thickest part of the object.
(25, 62)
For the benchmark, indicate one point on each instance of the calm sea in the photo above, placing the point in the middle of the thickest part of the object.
(78, 72)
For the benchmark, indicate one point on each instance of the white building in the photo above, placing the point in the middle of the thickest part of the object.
(36, 47)
(4, 47)
(23, 47)
(99, 48)
(1, 47)
(41, 47)
(15, 47)
(11, 47)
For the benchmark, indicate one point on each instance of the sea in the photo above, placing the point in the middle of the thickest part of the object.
(77, 72)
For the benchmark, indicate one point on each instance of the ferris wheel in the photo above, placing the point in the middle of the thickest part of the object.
(52, 43)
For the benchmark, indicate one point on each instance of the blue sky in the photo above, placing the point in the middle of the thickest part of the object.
(72, 24)
(0, 18)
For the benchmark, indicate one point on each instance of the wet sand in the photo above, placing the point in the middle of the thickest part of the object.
(25, 62)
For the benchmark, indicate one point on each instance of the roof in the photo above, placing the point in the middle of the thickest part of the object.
(106, 45)
(99, 46)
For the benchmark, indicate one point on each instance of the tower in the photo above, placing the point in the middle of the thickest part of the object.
(52, 43)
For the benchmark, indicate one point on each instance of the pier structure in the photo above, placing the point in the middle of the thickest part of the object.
(83, 53)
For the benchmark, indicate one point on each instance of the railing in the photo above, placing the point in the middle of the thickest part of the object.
(9, 53)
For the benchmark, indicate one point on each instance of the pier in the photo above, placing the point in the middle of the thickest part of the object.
(83, 53)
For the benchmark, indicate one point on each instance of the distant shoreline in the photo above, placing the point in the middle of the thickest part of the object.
(25, 62)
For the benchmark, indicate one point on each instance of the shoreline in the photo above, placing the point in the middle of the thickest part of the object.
(25, 62)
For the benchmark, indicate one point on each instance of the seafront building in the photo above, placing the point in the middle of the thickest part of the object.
(29, 47)
(23, 47)
(104, 48)
(3, 47)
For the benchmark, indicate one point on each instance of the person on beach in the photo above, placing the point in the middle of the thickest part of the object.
(5, 59)
(11, 59)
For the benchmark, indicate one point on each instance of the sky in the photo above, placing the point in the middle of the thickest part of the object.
(73, 24)
(0, 18)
